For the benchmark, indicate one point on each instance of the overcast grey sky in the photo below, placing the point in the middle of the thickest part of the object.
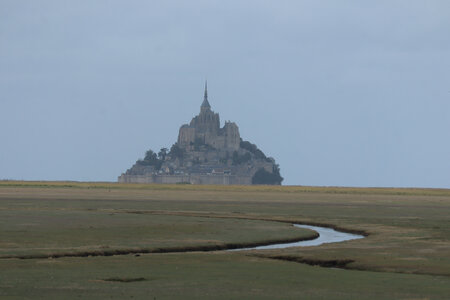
(345, 93)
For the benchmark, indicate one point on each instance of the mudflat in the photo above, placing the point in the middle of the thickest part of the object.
(95, 240)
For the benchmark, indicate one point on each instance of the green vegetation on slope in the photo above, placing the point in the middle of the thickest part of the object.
(263, 177)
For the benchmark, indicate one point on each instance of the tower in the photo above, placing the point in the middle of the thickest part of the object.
(205, 104)
(207, 123)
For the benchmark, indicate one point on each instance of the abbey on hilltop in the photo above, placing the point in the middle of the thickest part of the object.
(206, 153)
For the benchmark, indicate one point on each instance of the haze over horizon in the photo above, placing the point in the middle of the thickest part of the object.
(344, 93)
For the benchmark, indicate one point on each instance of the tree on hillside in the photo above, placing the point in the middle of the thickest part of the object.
(150, 159)
(252, 148)
(162, 154)
(240, 159)
(176, 151)
(150, 156)
(264, 177)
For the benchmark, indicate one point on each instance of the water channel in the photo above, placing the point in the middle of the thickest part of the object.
(326, 235)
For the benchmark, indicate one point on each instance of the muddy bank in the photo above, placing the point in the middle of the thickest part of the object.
(201, 248)
(322, 235)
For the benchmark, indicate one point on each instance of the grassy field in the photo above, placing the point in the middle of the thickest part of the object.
(406, 254)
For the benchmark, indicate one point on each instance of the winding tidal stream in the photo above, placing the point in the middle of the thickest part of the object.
(326, 235)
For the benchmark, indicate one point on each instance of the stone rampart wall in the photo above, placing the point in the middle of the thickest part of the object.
(193, 179)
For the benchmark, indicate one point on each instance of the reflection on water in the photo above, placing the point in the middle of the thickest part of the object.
(327, 235)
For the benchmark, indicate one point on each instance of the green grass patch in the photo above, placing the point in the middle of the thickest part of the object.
(405, 254)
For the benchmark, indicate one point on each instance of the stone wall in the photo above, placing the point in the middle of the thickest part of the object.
(186, 135)
(206, 128)
(193, 179)
(232, 136)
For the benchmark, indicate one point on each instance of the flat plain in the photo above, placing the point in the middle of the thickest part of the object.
(129, 241)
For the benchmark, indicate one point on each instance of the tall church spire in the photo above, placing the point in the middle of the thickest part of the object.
(205, 104)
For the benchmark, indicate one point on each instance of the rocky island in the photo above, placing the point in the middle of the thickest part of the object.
(206, 153)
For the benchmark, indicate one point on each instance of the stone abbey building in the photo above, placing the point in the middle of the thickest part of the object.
(206, 153)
